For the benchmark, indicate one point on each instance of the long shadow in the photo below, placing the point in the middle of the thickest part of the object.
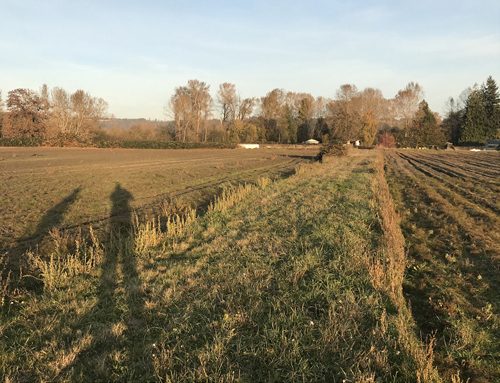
(117, 322)
(139, 355)
(50, 220)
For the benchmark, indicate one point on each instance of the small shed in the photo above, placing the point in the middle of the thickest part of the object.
(311, 141)
(249, 146)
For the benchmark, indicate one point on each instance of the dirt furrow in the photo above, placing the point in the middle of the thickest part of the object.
(451, 279)
(481, 198)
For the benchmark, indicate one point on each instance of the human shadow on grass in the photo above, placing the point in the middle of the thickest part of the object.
(50, 220)
(117, 322)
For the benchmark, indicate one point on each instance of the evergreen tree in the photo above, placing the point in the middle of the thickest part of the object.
(424, 130)
(475, 120)
(452, 125)
(453, 122)
(304, 131)
(492, 107)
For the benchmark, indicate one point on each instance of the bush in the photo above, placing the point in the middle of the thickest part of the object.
(20, 141)
(72, 140)
(68, 139)
(160, 145)
(333, 150)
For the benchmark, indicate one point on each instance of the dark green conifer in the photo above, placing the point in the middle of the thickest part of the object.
(492, 108)
(475, 120)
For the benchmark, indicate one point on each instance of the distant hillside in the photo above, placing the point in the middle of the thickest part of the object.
(127, 123)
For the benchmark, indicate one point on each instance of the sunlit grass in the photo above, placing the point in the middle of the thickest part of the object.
(292, 280)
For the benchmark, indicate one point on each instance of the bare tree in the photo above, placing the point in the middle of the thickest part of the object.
(305, 114)
(61, 113)
(44, 95)
(180, 104)
(245, 108)
(227, 99)
(347, 92)
(372, 109)
(272, 110)
(201, 102)
(344, 123)
(86, 113)
(305, 106)
(320, 107)
(406, 103)
(191, 106)
(343, 114)
(272, 104)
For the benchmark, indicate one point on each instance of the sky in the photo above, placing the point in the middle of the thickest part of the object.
(134, 53)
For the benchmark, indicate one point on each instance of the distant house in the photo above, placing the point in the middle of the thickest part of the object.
(249, 146)
(492, 145)
(311, 141)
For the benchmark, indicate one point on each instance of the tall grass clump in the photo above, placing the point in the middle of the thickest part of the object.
(67, 258)
(166, 228)
(232, 195)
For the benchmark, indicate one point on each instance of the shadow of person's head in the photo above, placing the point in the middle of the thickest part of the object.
(121, 211)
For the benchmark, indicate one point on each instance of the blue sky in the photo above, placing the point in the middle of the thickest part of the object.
(134, 53)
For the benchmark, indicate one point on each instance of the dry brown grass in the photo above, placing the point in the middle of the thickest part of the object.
(274, 282)
(453, 255)
(45, 188)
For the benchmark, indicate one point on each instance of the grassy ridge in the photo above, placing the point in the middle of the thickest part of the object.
(296, 280)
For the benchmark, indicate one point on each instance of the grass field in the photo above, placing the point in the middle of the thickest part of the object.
(373, 267)
(45, 188)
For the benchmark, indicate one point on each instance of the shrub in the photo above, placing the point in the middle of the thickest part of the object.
(160, 145)
(20, 141)
(333, 150)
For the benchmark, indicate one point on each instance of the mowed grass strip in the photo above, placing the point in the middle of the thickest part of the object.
(274, 283)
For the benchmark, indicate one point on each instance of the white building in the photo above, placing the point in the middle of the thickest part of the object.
(249, 146)
(311, 141)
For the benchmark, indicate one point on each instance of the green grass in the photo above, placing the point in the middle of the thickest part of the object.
(281, 281)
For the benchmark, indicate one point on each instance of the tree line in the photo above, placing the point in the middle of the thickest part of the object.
(51, 115)
(474, 117)
(280, 116)
(290, 117)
